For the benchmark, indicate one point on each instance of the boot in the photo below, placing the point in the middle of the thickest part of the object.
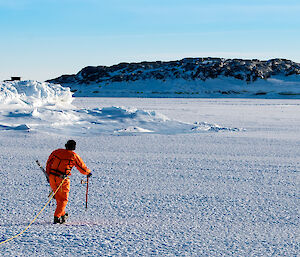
(57, 220)
(64, 218)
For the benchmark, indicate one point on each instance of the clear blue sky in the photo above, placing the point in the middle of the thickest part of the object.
(43, 39)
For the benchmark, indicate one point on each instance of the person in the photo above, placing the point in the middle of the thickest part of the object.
(58, 167)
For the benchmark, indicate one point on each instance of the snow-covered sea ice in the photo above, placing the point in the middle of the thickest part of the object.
(171, 177)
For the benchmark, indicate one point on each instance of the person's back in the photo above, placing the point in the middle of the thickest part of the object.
(61, 162)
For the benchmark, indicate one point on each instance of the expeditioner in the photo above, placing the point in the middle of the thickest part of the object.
(58, 168)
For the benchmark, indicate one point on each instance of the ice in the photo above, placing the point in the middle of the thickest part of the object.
(48, 107)
(33, 93)
(170, 192)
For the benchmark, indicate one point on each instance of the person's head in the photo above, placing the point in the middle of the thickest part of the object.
(70, 145)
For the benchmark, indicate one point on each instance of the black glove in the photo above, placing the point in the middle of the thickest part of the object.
(89, 175)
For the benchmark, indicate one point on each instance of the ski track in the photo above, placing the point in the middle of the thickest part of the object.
(191, 194)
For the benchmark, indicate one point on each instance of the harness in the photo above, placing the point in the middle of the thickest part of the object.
(58, 173)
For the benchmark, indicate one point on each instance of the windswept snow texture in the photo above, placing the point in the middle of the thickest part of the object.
(157, 194)
(35, 106)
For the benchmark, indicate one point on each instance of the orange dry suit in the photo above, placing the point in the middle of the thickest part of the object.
(60, 164)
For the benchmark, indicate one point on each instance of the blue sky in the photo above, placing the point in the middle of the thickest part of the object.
(43, 39)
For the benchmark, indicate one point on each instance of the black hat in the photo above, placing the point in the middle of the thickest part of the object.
(70, 145)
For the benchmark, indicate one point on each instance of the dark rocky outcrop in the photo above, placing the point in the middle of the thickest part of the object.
(187, 69)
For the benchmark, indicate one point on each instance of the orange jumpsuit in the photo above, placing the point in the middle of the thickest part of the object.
(61, 162)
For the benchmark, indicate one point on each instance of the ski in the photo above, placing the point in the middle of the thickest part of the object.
(44, 171)
(46, 175)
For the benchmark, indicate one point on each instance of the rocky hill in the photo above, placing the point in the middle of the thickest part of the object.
(185, 77)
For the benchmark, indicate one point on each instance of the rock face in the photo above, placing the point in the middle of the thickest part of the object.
(190, 69)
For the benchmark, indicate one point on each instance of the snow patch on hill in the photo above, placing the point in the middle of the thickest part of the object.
(32, 105)
(276, 87)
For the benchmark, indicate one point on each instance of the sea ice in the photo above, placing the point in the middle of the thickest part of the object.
(48, 107)
(156, 194)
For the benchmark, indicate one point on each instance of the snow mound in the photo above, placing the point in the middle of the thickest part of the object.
(204, 126)
(130, 120)
(33, 93)
(133, 129)
(37, 106)
(19, 127)
(27, 105)
(113, 120)
(123, 113)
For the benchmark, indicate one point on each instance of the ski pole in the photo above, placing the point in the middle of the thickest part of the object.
(46, 175)
(87, 190)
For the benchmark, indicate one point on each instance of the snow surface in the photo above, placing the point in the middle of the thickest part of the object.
(170, 192)
(36, 106)
(280, 87)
